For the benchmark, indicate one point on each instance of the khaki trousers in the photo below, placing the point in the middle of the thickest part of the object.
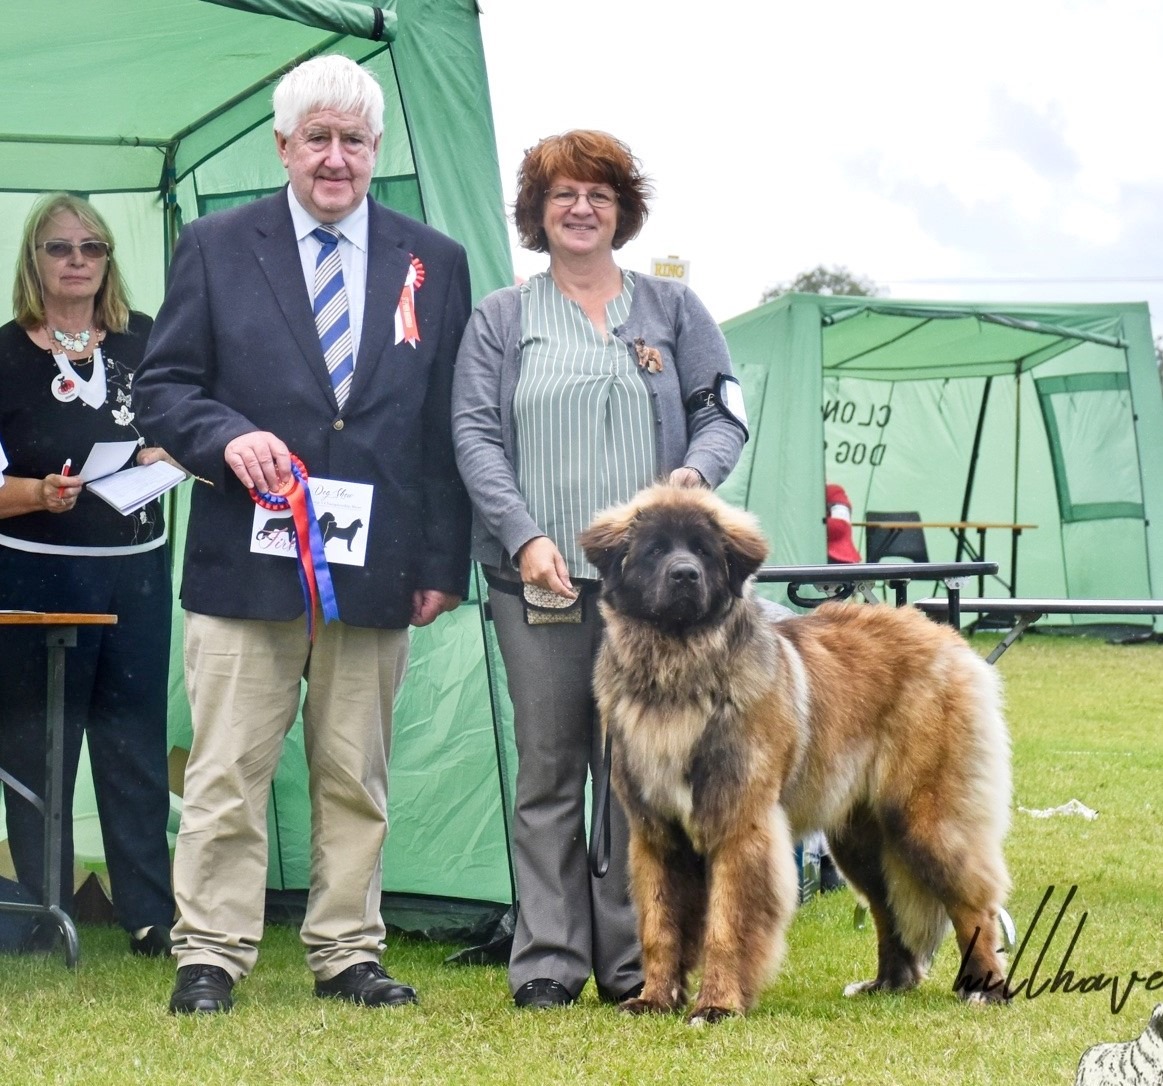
(244, 683)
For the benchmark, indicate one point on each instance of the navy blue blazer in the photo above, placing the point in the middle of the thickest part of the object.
(234, 349)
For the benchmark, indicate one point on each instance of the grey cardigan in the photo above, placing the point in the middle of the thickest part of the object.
(666, 315)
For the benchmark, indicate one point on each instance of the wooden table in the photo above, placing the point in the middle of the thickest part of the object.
(61, 634)
(959, 528)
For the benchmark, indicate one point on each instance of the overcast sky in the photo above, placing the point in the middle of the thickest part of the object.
(985, 151)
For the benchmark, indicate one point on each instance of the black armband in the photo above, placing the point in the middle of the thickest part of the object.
(726, 396)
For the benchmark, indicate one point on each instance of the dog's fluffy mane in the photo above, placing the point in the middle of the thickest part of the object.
(658, 658)
(608, 538)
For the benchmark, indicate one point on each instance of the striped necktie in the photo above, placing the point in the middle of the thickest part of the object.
(331, 317)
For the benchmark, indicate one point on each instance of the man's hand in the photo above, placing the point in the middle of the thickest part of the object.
(260, 460)
(428, 604)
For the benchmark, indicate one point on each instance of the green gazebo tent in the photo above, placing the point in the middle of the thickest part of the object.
(1040, 414)
(159, 111)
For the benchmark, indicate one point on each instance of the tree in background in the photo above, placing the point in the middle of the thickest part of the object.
(821, 280)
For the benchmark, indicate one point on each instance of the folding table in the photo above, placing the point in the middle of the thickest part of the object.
(61, 634)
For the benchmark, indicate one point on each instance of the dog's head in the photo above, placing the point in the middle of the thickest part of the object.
(675, 557)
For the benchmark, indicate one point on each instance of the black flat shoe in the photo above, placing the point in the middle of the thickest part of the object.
(541, 994)
(201, 989)
(155, 943)
(366, 983)
(830, 877)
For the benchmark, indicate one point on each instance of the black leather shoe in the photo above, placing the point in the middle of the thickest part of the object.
(541, 994)
(155, 943)
(368, 984)
(201, 989)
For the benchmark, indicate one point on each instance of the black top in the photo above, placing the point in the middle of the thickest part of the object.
(40, 432)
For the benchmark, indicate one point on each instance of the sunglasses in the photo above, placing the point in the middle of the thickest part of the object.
(90, 250)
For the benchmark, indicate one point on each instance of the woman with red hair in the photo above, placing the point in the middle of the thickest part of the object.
(572, 391)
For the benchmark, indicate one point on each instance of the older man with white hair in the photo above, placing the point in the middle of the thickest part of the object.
(309, 335)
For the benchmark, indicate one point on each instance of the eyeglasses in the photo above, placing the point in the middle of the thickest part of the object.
(59, 249)
(598, 199)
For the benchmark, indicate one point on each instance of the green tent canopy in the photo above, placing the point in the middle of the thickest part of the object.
(160, 111)
(1040, 414)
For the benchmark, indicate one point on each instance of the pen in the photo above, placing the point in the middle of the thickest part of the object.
(65, 471)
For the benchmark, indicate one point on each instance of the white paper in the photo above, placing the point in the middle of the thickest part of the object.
(105, 458)
(128, 490)
(343, 511)
(1070, 807)
(732, 393)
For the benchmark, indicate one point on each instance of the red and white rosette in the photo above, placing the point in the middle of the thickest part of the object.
(407, 329)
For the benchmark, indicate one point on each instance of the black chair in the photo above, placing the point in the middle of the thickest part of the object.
(882, 543)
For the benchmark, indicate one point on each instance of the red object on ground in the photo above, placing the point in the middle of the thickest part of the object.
(839, 525)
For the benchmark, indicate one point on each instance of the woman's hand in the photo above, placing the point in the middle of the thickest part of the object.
(151, 454)
(687, 477)
(52, 494)
(58, 493)
(541, 564)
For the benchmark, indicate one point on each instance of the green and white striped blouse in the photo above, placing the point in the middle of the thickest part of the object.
(584, 423)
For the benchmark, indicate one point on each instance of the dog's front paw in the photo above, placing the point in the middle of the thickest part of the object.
(708, 1016)
(997, 993)
(882, 984)
(982, 999)
(638, 1005)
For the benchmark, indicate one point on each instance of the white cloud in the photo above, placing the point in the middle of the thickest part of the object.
(911, 141)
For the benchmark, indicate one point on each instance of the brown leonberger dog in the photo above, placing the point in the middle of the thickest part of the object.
(734, 735)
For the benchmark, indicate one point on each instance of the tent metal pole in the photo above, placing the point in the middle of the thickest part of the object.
(1017, 474)
(169, 194)
(972, 473)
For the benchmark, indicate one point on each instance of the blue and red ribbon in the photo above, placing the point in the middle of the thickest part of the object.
(314, 572)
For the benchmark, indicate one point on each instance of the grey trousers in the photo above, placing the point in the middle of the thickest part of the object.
(569, 924)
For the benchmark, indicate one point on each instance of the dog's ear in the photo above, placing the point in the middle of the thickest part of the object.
(745, 544)
(607, 539)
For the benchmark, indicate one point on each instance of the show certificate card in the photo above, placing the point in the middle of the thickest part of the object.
(343, 511)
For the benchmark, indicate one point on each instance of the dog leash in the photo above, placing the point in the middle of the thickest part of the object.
(600, 817)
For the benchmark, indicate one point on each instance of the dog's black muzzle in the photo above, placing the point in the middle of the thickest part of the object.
(680, 589)
(683, 573)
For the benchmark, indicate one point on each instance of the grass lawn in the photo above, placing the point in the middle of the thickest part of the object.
(1085, 719)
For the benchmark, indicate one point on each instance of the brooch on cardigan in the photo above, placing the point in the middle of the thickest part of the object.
(649, 358)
